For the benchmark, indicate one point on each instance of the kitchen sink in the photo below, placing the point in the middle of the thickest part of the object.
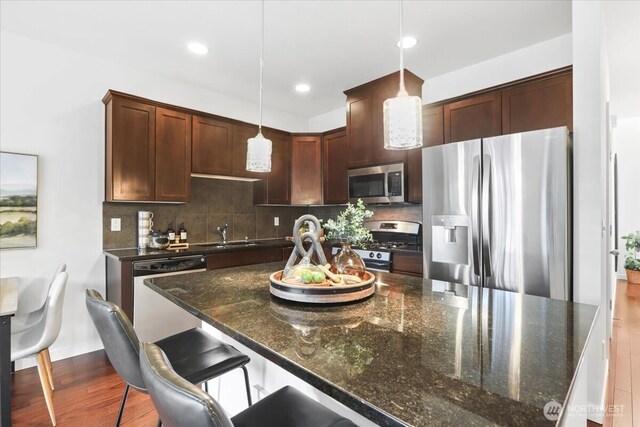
(229, 244)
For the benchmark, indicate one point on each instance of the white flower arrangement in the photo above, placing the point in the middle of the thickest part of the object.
(350, 224)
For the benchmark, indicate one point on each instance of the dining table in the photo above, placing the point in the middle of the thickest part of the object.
(8, 308)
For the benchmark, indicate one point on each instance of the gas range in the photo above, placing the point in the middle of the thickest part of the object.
(387, 235)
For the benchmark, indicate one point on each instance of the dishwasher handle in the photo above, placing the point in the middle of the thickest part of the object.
(169, 265)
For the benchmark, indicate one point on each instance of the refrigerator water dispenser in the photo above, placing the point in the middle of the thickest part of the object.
(450, 239)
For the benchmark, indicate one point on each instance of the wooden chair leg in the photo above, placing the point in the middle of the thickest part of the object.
(49, 365)
(44, 380)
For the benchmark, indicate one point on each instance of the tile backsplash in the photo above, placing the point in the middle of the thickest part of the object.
(215, 202)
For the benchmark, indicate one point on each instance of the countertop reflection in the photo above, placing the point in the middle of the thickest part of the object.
(418, 352)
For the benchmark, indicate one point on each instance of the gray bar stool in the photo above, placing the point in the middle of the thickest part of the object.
(197, 356)
(181, 404)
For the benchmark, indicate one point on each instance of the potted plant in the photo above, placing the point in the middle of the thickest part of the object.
(349, 228)
(631, 261)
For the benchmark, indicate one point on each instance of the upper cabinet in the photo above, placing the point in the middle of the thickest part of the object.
(173, 156)
(432, 134)
(306, 172)
(274, 189)
(148, 151)
(538, 104)
(365, 127)
(334, 167)
(241, 134)
(473, 118)
(212, 146)
(360, 131)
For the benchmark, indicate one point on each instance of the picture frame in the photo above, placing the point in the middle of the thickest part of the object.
(18, 200)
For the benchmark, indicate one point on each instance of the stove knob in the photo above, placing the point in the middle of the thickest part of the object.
(379, 256)
(371, 255)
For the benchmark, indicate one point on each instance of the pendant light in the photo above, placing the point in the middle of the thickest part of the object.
(402, 114)
(259, 147)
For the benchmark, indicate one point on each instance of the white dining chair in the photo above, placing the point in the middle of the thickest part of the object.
(30, 313)
(36, 340)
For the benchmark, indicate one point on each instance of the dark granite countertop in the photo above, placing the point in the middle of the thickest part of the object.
(134, 254)
(418, 352)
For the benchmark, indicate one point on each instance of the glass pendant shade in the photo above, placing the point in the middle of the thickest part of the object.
(402, 122)
(259, 154)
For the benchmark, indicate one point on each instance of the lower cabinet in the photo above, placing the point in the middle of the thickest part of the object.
(244, 257)
(407, 263)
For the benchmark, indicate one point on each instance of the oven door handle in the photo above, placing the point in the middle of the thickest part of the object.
(378, 264)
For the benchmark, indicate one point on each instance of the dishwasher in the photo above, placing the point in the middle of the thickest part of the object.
(154, 316)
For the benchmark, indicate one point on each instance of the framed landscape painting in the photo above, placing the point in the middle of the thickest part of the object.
(18, 200)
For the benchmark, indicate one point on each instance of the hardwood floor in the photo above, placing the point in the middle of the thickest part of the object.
(88, 390)
(87, 393)
(623, 384)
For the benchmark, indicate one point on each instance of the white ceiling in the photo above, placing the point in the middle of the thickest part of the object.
(332, 45)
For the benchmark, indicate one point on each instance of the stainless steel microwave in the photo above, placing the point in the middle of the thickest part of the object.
(378, 184)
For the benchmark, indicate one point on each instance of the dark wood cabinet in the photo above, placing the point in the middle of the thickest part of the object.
(173, 156)
(477, 117)
(130, 158)
(334, 167)
(409, 263)
(274, 189)
(212, 147)
(148, 151)
(306, 171)
(241, 134)
(538, 104)
(360, 131)
(380, 154)
(244, 257)
(432, 135)
(365, 126)
(119, 284)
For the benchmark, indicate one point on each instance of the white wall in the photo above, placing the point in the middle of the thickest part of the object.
(535, 59)
(327, 121)
(626, 139)
(51, 106)
(545, 56)
(590, 95)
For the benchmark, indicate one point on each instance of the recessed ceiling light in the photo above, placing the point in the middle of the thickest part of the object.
(197, 48)
(303, 87)
(408, 42)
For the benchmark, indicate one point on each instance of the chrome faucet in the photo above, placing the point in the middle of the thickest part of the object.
(223, 232)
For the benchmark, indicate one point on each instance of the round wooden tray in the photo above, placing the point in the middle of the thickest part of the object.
(321, 294)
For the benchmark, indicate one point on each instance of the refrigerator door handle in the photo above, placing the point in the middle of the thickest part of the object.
(486, 215)
(475, 215)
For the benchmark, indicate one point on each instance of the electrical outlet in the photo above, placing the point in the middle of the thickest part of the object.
(276, 221)
(115, 224)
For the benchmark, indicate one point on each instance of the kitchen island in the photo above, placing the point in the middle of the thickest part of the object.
(418, 352)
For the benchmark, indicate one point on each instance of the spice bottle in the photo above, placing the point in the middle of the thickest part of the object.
(171, 232)
(183, 233)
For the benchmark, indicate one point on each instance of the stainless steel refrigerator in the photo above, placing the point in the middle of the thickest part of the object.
(496, 212)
